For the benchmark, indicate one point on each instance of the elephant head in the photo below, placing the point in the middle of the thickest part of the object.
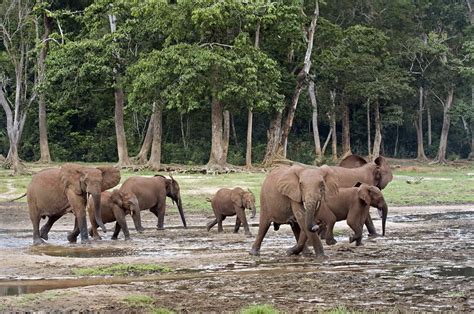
(129, 203)
(382, 174)
(86, 180)
(309, 187)
(352, 161)
(173, 192)
(245, 199)
(372, 196)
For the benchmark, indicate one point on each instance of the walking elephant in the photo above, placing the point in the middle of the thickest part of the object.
(54, 192)
(151, 193)
(230, 202)
(354, 168)
(293, 195)
(113, 206)
(352, 204)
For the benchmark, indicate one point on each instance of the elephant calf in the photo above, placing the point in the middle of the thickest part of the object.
(352, 204)
(230, 202)
(114, 206)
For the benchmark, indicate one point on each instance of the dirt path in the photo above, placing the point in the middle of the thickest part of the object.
(425, 263)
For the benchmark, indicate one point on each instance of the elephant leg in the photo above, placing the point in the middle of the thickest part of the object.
(47, 226)
(263, 227)
(370, 227)
(116, 231)
(299, 213)
(72, 236)
(94, 233)
(124, 227)
(330, 221)
(35, 220)
(211, 224)
(237, 225)
(241, 215)
(357, 227)
(298, 247)
(82, 224)
(119, 215)
(220, 219)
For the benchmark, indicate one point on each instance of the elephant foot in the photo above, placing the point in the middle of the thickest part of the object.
(321, 257)
(248, 234)
(38, 241)
(295, 250)
(373, 235)
(86, 241)
(359, 243)
(115, 238)
(220, 231)
(71, 238)
(331, 241)
(160, 228)
(254, 252)
(354, 238)
(128, 238)
(44, 235)
(140, 230)
(97, 238)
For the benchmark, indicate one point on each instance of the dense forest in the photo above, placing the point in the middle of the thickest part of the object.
(235, 82)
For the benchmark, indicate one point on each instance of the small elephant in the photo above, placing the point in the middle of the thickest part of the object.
(230, 202)
(352, 204)
(114, 206)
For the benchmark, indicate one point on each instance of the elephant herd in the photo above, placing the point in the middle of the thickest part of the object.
(310, 199)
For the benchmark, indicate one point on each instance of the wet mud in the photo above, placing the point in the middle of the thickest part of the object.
(424, 263)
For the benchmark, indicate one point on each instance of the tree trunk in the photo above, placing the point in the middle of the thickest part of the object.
(183, 135)
(142, 156)
(443, 142)
(428, 117)
(234, 133)
(299, 83)
(43, 133)
(471, 154)
(419, 127)
(395, 150)
(155, 157)
(378, 131)
(369, 140)
(332, 117)
(314, 104)
(217, 158)
(248, 153)
(326, 142)
(346, 135)
(226, 134)
(273, 138)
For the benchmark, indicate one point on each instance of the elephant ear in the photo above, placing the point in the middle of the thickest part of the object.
(236, 197)
(117, 197)
(72, 177)
(352, 161)
(289, 183)
(110, 177)
(364, 195)
(385, 173)
(331, 183)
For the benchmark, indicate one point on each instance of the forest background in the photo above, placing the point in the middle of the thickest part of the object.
(239, 82)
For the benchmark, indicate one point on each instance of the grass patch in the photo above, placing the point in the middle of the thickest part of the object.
(457, 294)
(121, 270)
(339, 310)
(139, 300)
(37, 297)
(163, 311)
(259, 309)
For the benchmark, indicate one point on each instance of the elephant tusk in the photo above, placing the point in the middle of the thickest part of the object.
(380, 212)
(318, 204)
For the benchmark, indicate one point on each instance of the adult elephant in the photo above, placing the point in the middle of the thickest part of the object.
(151, 193)
(54, 192)
(354, 168)
(293, 195)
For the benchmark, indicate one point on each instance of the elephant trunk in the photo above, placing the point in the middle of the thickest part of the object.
(254, 212)
(97, 212)
(384, 218)
(181, 212)
(311, 211)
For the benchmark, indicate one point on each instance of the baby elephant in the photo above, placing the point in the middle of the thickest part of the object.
(114, 206)
(230, 202)
(352, 204)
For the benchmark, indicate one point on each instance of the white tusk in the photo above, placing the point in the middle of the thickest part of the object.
(318, 204)
(304, 205)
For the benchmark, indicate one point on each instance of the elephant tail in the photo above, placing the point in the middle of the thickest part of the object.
(208, 199)
(17, 198)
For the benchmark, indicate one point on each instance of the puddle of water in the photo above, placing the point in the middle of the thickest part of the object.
(80, 251)
(450, 271)
(436, 216)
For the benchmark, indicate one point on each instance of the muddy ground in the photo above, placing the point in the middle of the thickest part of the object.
(424, 263)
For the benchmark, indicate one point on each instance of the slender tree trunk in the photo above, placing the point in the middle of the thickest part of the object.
(346, 133)
(43, 133)
(326, 142)
(369, 140)
(395, 150)
(333, 125)
(155, 156)
(299, 83)
(142, 157)
(273, 138)
(217, 158)
(314, 104)
(443, 142)
(122, 149)
(183, 135)
(234, 133)
(419, 126)
(248, 153)
(471, 154)
(428, 117)
(226, 134)
(378, 130)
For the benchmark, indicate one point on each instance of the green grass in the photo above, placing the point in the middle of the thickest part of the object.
(38, 297)
(121, 270)
(259, 309)
(339, 310)
(139, 300)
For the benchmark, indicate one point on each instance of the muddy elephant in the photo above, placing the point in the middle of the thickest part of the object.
(293, 195)
(230, 202)
(114, 206)
(351, 204)
(54, 192)
(354, 168)
(151, 193)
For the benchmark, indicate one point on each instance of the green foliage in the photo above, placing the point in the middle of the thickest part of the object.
(138, 300)
(121, 270)
(259, 309)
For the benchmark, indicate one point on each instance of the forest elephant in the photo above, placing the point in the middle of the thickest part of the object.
(354, 168)
(54, 192)
(114, 206)
(151, 193)
(352, 204)
(293, 195)
(230, 202)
